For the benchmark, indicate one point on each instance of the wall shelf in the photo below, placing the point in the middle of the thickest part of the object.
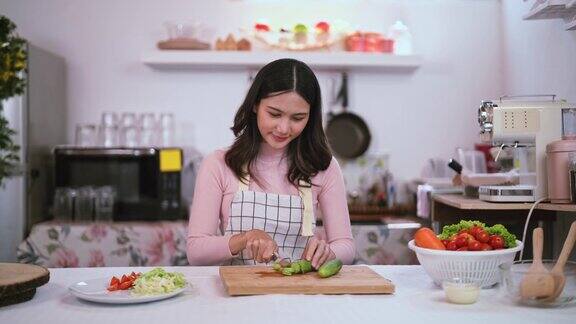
(177, 59)
(551, 9)
(571, 25)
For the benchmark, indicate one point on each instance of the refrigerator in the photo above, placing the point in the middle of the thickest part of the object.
(39, 119)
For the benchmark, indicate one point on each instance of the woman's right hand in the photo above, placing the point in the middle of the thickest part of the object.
(259, 244)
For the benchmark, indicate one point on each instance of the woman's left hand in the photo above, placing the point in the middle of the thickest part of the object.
(317, 252)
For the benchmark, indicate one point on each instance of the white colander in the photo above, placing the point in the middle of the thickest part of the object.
(481, 266)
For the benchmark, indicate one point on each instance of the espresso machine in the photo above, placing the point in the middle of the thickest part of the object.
(516, 121)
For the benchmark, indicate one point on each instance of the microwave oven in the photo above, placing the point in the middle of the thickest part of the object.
(147, 180)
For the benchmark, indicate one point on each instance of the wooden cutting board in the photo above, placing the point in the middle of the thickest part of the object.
(261, 280)
(18, 282)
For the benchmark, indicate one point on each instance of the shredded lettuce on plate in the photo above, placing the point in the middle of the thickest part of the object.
(158, 281)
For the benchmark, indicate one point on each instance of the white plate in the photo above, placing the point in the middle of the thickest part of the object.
(95, 290)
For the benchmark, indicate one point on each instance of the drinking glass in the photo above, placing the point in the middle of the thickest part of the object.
(129, 132)
(167, 129)
(109, 119)
(149, 130)
(108, 136)
(85, 135)
(108, 130)
(104, 203)
(84, 206)
(64, 204)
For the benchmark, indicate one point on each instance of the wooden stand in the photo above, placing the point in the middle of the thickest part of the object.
(18, 282)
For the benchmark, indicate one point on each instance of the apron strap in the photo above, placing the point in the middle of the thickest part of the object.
(308, 214)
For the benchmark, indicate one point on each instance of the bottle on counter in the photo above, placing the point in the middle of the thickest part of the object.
(381, 176)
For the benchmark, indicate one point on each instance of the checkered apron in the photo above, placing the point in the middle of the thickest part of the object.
(288, 219)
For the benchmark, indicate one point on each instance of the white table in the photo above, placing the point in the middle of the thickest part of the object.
(417, 300)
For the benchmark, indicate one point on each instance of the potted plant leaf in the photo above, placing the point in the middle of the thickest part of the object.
(12, 83)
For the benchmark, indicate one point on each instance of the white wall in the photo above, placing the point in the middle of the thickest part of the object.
(413, 116)
(539, 55)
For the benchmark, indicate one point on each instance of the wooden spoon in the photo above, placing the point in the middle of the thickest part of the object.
(537, 282)
(558, 270)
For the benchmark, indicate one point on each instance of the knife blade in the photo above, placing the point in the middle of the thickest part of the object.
(276, 257)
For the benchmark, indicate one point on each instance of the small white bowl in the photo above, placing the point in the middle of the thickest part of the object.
(461, 291)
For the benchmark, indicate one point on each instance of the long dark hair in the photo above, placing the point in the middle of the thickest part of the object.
(307, 154)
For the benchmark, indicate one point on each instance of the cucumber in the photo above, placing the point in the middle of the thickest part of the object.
(330, 268)
(305, 266)
(295, 266)
(276, 266)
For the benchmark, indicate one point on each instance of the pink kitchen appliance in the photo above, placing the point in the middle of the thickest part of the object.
(558, 155)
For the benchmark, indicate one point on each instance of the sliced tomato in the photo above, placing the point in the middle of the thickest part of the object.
(113, 287)
(125, 285)
(114, 281)
(124, 279)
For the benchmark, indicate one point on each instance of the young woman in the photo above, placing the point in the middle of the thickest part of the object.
(257, 200)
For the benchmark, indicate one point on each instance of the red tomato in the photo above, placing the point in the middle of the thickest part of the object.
(460, 241)
(475, 230)
(483, 237)
(485, 247)
(497, 242)
(451, 246)
(125, 285)
(445, 242)
(124, 279)
(474, 246)
(113, 287)
(463, 239)
(463, 231)
(467, 236)
(464, 248)
(114, 281)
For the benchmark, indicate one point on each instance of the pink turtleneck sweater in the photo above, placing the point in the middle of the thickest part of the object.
(215, 188)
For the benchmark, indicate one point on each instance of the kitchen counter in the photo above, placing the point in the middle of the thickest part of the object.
(463, 202)
(416, 300)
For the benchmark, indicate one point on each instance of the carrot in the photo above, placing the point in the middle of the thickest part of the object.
(425, 238)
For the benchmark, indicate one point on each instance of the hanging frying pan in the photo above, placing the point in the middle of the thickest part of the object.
(347, 133)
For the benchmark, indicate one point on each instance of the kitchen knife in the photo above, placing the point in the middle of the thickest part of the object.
(454, 165)
(276, 257)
